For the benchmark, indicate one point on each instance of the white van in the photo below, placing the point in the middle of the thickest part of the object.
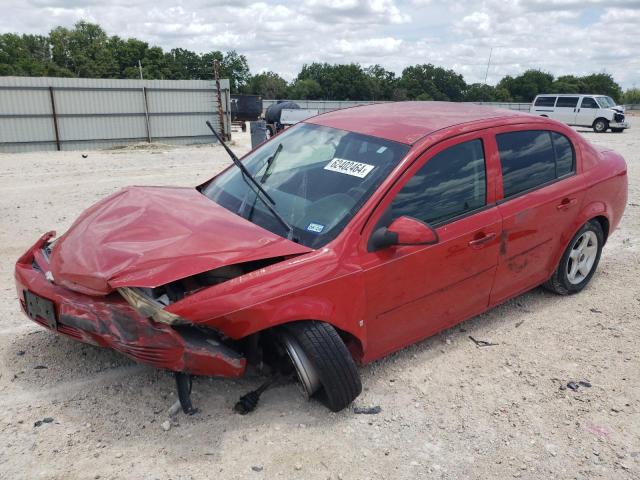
(596, 111)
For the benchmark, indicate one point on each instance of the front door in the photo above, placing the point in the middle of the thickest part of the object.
(542, 195)
(415, 291)
(587, 112)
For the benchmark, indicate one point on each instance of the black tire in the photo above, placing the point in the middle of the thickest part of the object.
(600, 125)
(617, 130)
(559, 282)
(332, 361)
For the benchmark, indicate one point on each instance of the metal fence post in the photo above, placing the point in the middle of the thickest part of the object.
(146, 113)
(55, 118)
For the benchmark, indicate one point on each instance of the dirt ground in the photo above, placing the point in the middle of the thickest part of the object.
(449, 409)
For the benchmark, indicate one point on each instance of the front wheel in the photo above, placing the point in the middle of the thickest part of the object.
(322, 362)
(600, 125)
(579, 261)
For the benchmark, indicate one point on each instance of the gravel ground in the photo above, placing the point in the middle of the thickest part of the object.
(449, 408)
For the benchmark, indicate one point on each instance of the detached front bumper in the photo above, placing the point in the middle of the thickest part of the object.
(623, 124)
(111, 322)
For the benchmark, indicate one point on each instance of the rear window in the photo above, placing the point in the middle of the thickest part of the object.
(565, 158)
(545, 102)
(569, 102)
(532, 158)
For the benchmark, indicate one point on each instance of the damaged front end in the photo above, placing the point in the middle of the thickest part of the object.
(128, 322)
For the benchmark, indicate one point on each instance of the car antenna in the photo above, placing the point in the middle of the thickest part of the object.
(239, 164)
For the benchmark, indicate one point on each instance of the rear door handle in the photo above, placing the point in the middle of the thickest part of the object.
(479, 242)
(567, 203)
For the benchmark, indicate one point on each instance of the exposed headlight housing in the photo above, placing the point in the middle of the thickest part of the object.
(149, 308)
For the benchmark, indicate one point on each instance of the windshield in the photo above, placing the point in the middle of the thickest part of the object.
(605, 102)
(319, 177)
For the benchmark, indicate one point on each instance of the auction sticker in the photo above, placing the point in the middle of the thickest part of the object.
(349, 167)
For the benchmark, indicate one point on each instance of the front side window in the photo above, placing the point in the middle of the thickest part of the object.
(318, 176)
(532, 158)
(567, 102)
(588, 102)
(545, 102)
(448, 185)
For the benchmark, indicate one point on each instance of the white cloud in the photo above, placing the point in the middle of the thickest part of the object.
(560, 36)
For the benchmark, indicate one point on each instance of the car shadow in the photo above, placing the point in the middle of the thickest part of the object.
(41, 361)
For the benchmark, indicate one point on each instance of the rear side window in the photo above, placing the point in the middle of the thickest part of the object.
(565, 158)
(533, 157)
(588, 102)
(569, 102)
(545, 102)
(450, 184)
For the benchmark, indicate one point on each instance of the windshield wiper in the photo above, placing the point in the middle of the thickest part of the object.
(270, 162)
(246, 175)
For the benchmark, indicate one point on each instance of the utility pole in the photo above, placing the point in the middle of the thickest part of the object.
(216, 76)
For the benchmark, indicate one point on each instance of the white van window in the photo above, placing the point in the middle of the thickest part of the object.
(545, 102)
(588, 102)
(606, 102)
(570, 102)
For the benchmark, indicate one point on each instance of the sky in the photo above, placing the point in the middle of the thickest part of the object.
(558, 36)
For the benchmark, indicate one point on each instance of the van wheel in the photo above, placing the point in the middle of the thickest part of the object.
(600, 125)
(322, 362)
(579, 261)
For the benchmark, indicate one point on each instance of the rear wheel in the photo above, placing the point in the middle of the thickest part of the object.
(579, 261)
(322, 362)
(600, 125)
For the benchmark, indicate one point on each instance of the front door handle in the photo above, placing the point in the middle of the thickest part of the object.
(480, 241)
(567, 203)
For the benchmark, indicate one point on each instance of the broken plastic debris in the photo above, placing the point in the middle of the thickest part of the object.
(367, 410)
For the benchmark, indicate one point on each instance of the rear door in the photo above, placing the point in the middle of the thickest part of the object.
(415, 291)
(587, 112)
(565, 110)
(541, 197)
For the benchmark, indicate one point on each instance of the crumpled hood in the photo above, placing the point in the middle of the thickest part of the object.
(150, 236)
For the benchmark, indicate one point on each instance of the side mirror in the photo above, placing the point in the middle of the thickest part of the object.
(403, 231)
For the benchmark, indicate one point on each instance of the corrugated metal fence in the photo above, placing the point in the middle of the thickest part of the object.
(329, 105)
(41, 113)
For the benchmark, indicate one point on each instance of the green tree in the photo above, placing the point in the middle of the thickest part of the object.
(268, 85)
(480, 92)
(305, 89)
(526, 86)
(83, 51)
(232, 66)
(433, 83)
(382, 82)
(603, 84)
(338, 82)
(631, 96)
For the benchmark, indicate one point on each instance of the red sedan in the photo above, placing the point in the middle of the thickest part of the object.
(347, 237)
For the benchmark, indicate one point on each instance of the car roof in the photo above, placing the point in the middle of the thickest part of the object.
(571, 95)
(408, 122)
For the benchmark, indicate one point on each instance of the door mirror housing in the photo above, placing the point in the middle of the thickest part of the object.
(403, 231)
